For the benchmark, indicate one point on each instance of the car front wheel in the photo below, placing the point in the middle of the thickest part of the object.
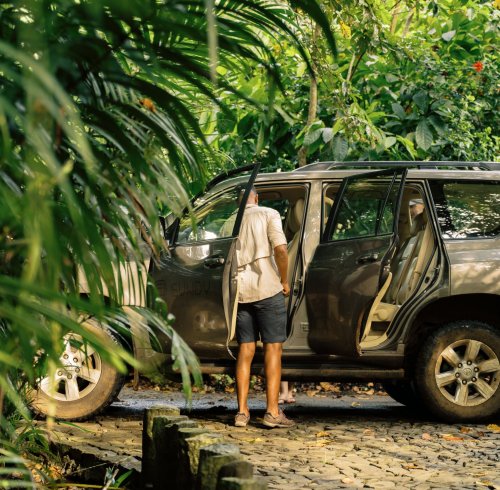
(82, 386)
(458, 372)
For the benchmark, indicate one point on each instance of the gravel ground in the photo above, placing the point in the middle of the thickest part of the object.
(354, 441)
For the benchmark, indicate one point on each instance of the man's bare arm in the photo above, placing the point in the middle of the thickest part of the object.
(281, 258)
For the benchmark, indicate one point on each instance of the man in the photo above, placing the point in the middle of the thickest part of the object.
(262, 287)
(416, 207)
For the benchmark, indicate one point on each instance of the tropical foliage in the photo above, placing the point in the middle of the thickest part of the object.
(98, 131)
(412, 81)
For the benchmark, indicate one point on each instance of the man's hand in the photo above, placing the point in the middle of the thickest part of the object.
(281, 258)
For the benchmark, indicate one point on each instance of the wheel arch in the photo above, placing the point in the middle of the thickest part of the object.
(125, 341)
(481, 307)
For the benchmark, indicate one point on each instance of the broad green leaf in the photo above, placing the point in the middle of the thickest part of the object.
(312, 136)
(423, 135)
(389, 141)
(438, 125)
(448, 36)
(327, 135)
(421, 99)
(339, 124)
(301, 68)
(340, 148)
(398, 110)
(410, 148)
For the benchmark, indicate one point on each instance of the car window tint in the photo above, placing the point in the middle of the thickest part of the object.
(211, 219)
(467, 209)
(366, 210)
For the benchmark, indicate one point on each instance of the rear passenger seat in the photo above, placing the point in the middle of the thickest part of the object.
(407, 268)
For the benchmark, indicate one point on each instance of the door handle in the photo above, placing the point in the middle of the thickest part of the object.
(216, 261)
(367, 259)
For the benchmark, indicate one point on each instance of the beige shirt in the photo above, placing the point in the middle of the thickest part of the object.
(261, 232)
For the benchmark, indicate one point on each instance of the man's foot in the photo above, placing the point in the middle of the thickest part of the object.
(280, 421)
(241, 419)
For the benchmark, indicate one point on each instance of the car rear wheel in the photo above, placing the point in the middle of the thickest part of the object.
(458, 372)
(84, 384)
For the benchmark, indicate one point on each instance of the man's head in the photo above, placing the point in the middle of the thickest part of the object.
(253, 197)
(416, 207)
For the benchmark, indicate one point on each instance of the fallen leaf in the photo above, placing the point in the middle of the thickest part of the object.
(311, 393)
(465, 430)
(411, 466)
(319, 443)
(323, 434)
(451, 437)
(486, 483)
(355, 404)
(493, 427)
(426, 436)
(325, 386)
(370, 392)
(253, 441)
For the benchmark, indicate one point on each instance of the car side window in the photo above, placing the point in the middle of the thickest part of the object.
(366, 210)
(211, 219)
(467, 209)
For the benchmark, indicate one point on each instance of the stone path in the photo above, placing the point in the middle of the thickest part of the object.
(369, 442)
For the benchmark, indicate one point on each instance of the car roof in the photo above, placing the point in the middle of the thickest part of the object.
(340, 170)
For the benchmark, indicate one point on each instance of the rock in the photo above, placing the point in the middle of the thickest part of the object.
(236, 469)
(229, 483)
(188, 454)
(149, 440)
(166, 437)
(212, 459)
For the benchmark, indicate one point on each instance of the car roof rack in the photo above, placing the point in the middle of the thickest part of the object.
(322, 166)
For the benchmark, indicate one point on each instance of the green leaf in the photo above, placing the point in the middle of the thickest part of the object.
(421, 99)
(389, 141)
(301, 68)
(423, 135)
(312, 136)
(327, 135)
(448, 36)
(398, 110)
(340, 148)
(410, 148)
(339, 124)
(438, 125)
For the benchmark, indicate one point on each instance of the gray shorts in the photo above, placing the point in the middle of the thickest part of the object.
(265, 319)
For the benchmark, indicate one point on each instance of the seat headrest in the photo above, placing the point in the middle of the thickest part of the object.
(418, 223)
(296, 214)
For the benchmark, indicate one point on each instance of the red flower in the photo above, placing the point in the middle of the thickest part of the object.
(478, 66)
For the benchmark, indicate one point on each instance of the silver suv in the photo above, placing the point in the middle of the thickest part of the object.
(394, 270)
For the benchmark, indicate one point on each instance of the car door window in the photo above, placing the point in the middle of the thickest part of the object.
(211, 219)
(467, 209)
(367, 208)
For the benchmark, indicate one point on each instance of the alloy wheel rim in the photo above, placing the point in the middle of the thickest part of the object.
(79, 373)
(467, 372)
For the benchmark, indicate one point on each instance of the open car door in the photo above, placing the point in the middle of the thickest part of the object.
(197, 277)
(350, 265)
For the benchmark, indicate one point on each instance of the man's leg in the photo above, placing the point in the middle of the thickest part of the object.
(245, 357)
(272, 367)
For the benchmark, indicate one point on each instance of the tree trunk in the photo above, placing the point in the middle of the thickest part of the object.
(313, 93)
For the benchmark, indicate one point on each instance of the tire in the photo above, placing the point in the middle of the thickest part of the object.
(84, 386)
(458, 372)
(403, 391)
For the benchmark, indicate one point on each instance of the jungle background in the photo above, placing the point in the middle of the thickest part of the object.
(113, 112)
